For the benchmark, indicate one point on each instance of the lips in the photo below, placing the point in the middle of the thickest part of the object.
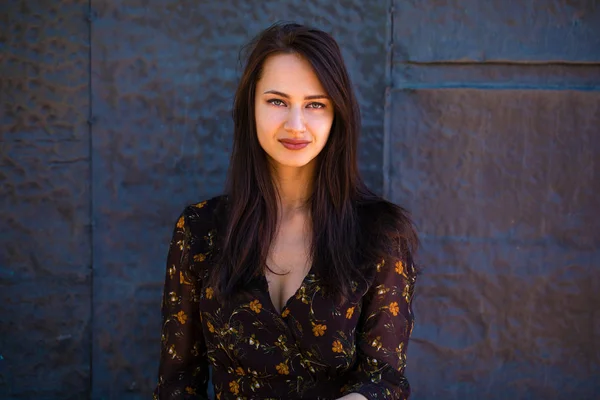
(294, 144)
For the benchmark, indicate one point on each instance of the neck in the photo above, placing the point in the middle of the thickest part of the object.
(294, 185)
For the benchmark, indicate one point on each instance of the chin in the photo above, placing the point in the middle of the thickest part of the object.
(293, 162)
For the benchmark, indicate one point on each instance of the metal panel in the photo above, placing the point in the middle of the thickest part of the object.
(497, 30)
(163, 78)
(502, 186)
(489, 164)
(584, 77)
(45, 246)
(503, 320)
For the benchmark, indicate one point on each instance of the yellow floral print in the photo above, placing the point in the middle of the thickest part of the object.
(234, 387)
(282, 369)
(406, 292)
(400, 349)
(381, 290)
(337, 347)
(190, 390)
(182, 280)
(349, 312)
(361, 341)
(377, 343)
(394, 309)
(399, 267)
(181, 317)
(319, 329)
(253, 342)
(172, 352)
(255, 306)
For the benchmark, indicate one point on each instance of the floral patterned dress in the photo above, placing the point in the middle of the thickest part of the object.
(313, 349)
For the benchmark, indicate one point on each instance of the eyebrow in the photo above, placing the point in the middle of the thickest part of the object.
(312, 97)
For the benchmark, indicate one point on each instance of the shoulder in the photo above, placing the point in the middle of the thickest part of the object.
(384, 216)
(386, 230)
(204, 216)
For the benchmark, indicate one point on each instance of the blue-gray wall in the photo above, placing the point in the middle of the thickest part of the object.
(483, 118)
(45, 201)
(493, 142)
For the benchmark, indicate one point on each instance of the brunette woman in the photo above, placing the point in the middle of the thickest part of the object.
(298, 282)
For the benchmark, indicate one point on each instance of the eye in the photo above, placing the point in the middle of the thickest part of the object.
(276, 102)
(316, 105)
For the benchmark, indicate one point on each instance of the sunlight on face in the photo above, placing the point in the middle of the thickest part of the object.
(293, 113)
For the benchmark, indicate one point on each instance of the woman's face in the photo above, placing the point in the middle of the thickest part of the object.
(292, 110)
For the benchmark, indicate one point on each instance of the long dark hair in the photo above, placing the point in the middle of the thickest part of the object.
(352, 227)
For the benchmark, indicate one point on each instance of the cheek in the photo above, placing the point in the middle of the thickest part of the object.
(320, 125)
(259, 117)
(268, 120)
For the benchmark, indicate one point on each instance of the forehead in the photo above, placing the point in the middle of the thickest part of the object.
(291, 74)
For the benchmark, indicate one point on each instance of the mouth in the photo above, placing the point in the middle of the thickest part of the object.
(294, 144)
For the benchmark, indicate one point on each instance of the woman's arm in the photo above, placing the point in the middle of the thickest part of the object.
(383, 332)
(183, 369)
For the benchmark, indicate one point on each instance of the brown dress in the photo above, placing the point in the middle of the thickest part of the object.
(313, 349)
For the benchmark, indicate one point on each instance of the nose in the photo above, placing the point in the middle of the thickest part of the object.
(295, 121)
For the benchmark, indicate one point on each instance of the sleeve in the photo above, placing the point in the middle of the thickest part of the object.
(385, 326)
(183, 367)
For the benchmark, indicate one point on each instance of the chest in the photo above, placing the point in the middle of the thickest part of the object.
(288, 264)
(312, 336)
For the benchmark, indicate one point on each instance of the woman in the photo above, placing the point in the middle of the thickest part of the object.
(298, 283)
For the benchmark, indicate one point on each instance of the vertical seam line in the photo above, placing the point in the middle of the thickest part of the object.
(91, 205)
(387, 100)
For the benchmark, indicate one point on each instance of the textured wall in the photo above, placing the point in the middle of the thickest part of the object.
(163, 78)
(493, 141)
(491, 31)
(488, 132)
(45, 286)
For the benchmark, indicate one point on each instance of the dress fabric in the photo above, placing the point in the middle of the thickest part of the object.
(314, 348)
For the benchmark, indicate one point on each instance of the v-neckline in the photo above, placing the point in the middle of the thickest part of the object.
(287, 302)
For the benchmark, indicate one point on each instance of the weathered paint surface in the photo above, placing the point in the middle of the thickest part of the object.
(482, 31)
(481, 117)
(503, 186)
(493, 142)
(45, 247)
